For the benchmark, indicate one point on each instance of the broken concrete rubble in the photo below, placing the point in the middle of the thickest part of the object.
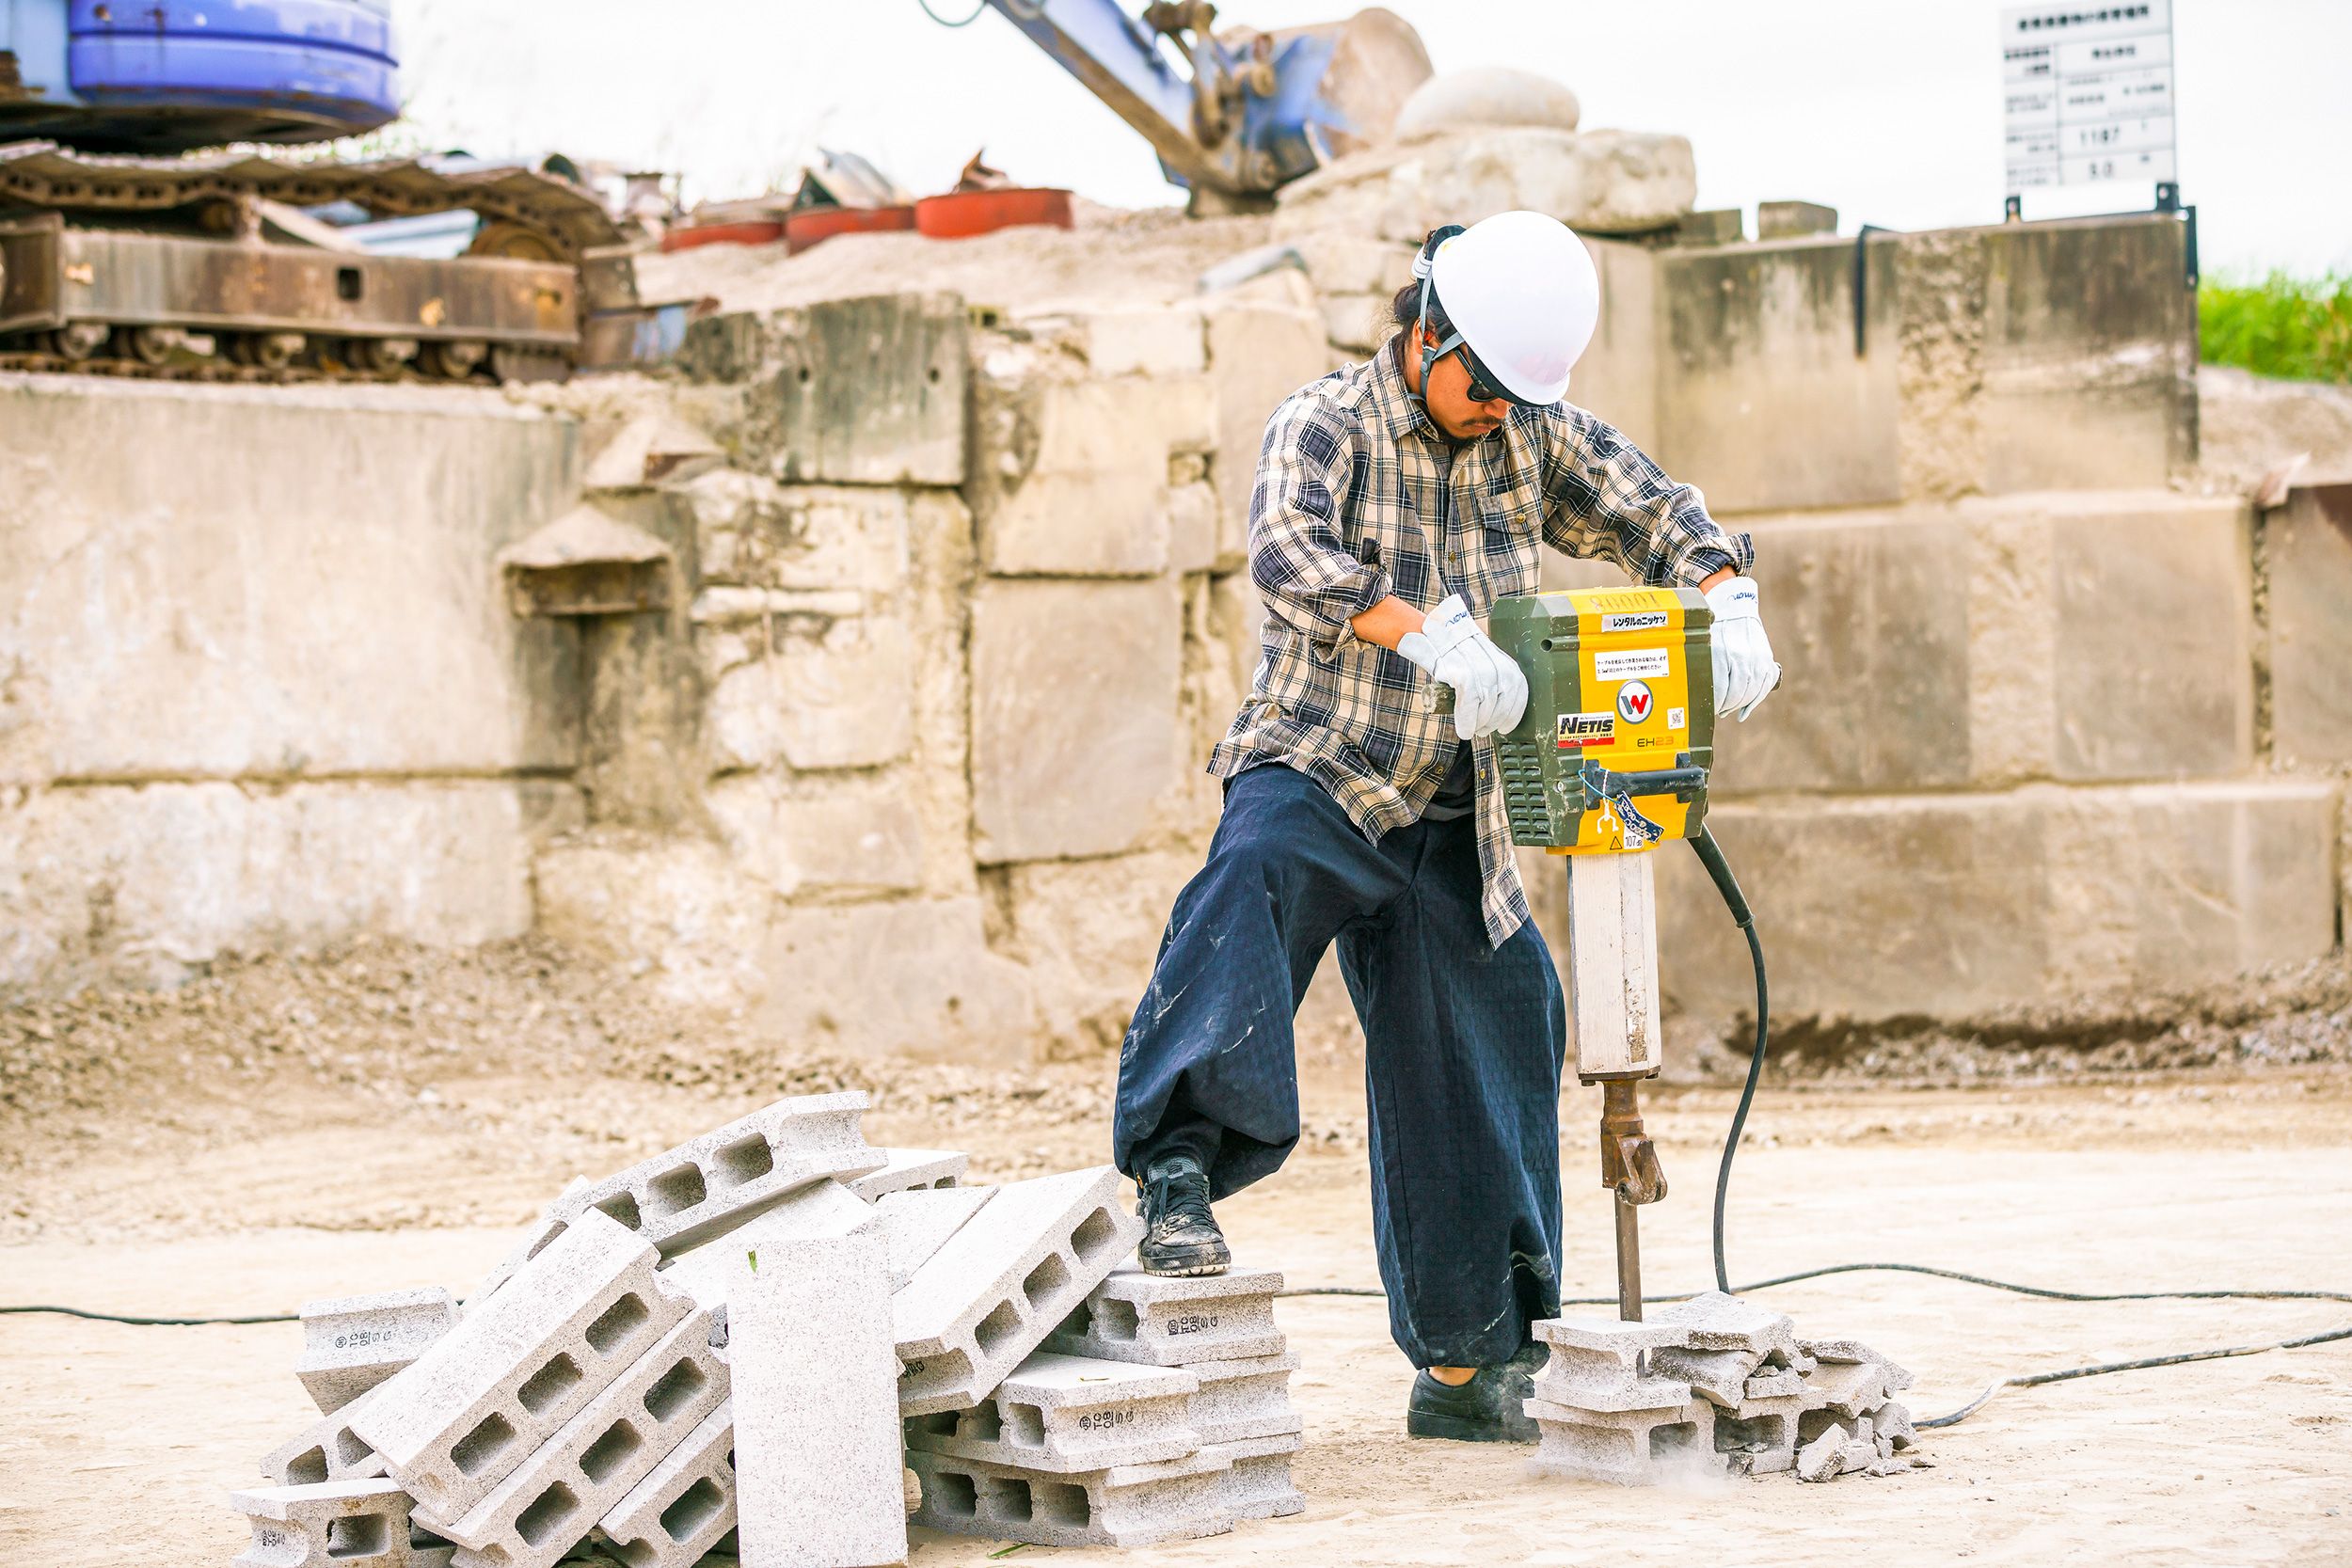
(1711, 1385)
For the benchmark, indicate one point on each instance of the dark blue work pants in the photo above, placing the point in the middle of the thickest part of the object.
(1464, 1046)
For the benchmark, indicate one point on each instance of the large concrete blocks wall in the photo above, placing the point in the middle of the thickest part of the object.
(2075, 636)
(2307, 551)
(2011, 358)
(260, 688)
(1956, 905)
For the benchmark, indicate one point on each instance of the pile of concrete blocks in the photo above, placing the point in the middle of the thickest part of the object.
(741, 1344)
(1159, 1409)
(1713, 1385)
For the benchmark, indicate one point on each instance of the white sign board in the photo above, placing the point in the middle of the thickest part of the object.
(2089, 92)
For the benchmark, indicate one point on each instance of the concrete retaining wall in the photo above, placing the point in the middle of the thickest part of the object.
(910, 756)
(257, 684)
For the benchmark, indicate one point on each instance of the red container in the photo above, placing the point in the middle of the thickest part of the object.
(959, 214)
(803, 229)
(757, 232)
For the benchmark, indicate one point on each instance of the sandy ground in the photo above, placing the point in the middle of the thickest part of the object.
(118, 1443)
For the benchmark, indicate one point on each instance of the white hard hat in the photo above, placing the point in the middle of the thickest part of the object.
(1522, 291)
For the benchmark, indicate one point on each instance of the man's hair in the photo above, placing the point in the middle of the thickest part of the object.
(1406, 309)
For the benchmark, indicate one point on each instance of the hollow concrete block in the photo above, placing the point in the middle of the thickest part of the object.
(1632, 1447)
(1720, 1376)
(336, 1523)
(551, 1500)
(1851, 1350)
(326, 1449)
(484, 1396)
(717, 1272)
(1245, 1399)
(1133, 1505)
(816, 1440)
(1258, 1485)
(545, 1228)
(1002, 1283)
(712, 1183)
(1175, 1321)
(1581, 1384)
(683, 1505)
(352, 1343)
(1065, 1414)
(908, 1169)
(1712, 1321)
(919, 1223)
(1758, 1436)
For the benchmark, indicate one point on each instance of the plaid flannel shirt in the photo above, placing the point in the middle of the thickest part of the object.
(1359, 496)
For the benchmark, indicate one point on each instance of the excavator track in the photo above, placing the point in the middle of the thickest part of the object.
(164, 269)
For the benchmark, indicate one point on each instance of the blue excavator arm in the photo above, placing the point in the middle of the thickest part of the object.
(1247, 112)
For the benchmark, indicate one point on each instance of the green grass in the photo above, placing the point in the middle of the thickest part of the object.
(2299, 328)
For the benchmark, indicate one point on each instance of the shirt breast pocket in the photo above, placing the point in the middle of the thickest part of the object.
(1510, 550)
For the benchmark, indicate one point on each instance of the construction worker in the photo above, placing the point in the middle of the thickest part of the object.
(1396, 500)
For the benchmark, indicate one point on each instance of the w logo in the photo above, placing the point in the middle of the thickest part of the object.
(1633, 702)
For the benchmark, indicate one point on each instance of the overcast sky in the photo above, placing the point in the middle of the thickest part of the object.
(1888, 110)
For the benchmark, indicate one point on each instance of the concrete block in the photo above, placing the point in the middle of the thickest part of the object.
(1822, 1458)
(684, 1506)
(1721, 1376)
(639, 453)
(1259, 354)
(550, 1501)
(1077, 482)
(487, 1394)
(1793, 221)
(2307, 547)
(1357, 323)
(1064, 1414)
(1259, 1485)
(1712, 1321)
(1593, 1382)
(1342, 262)
(854, 391)
(709, 1185)
(1195, 527)
(545, 1228)
(834, 693)
(1601, 1342)
(1758, 1436)
(326, 1449)
(1152, 341)
(917, 1224)
(352, 1343)
(1133, 1505)
(830, 834)
(1003, 1282)
(1893, 1425)
(816, 1440)
(1243, 1401)
(1088, 931)
(911, 1170)
(719, 1271)
(1762, 402)
(1062, 767)
(1608, 181)
(1849, 1388)
(1836, 1351)
(1176, 1322)
(1633, 1448)
(336, 1523)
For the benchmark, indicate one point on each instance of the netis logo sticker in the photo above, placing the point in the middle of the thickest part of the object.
(1587, 729)
(1644, 620)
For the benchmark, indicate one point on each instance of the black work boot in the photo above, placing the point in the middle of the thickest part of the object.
(1486, 1409)
(1179, 1236)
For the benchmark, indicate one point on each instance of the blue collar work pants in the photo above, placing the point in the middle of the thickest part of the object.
(1464, 1047)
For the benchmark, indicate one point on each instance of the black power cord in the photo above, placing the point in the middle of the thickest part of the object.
(1719, 870)
(152, 1323)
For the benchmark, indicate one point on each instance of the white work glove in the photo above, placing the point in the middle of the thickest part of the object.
(1744, 671)
(1489, 692)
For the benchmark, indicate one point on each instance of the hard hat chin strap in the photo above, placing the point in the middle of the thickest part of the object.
(1431, 350)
